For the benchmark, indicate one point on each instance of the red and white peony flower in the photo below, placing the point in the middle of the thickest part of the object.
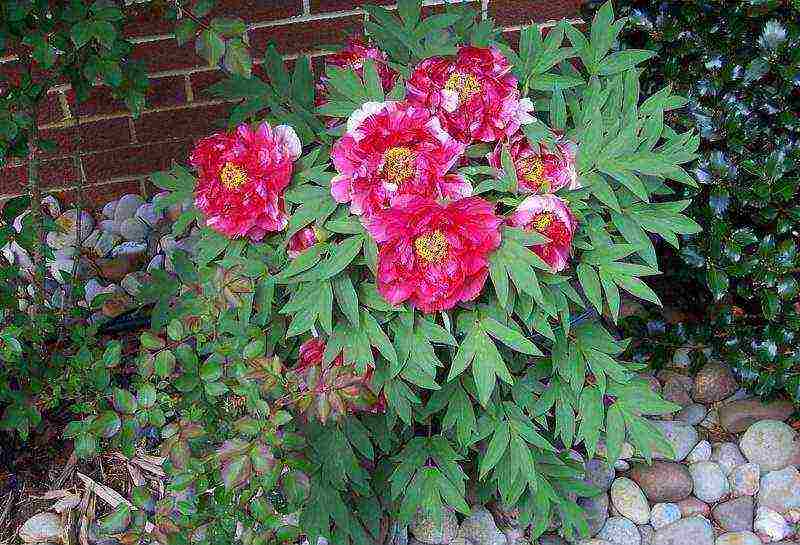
(474, 94)
(538, 169)
(434, 255)
(242, 176)
(335, 389)
(392, 150)
(550, 216)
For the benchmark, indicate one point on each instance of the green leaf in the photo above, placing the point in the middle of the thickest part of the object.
(623, 60)
(211, 46)
(510, 337)
(590, 282)
(495, 450)
(81, 33)
(346, 297)
(615, 433)
(237, 58)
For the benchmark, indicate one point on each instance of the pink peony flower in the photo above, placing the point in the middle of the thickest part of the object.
(301, 241)
(355, 53)
(241, 179)
(435, 255)
(391, 150)
(550, 216)
(539, 170)
(474, 94)
(353, 56)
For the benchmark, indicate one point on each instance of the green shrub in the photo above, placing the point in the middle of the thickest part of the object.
(279, 383)
(738, 62)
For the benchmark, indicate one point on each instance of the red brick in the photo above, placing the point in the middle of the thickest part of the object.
(143, 21)
(135, 160)
(305, 37)
(182, 123)
(95, 196)
(100, 102)
(427, 11)
(201, 81)
(168, 91)
(519, 12)
(344, 5)
(163, 55)
(50, 110)
(12, 179)
(94, 136)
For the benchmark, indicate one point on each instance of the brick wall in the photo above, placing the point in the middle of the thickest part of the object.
(118, 152)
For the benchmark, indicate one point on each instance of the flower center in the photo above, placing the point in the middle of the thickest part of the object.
(542, 221)
(399, 164)
(233, 176)
(465, 85)
(65, 223)
(532, 169)
(432, 247)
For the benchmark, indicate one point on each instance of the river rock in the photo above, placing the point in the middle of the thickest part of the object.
(629, 500)
(692, 414)
(744, 480)
(735, 515)
(554, 539)
(148, 215)
(598, 474)
(432, 532)
(770, 525)
(780, 490)
(108, 209)
(42, 528)
(595, 542)
(714, 382)
(102, 244)
(596, 509)
(688, 531)
(127, 207)
(728, 456)
(133, 229)
(769, 443)
(620, 531)
(647, 533)
(682, 437)
(68, 229)
(738, 538)
(479, 528)
(663, 514)
(709, 482)
(700, 453)
(676, 390)
(130, 248)
(692, 506)
(737, 416)
(663, 481)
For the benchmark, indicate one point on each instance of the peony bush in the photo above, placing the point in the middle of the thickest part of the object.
(404, 291)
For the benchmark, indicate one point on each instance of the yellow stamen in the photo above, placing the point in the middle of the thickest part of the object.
(466, 85)
(543, 221)
(533, 172)
(399, 164)
(65, 223)
(233, 176)
(431, 247)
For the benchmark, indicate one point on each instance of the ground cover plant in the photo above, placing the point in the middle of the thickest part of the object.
(379, 317)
